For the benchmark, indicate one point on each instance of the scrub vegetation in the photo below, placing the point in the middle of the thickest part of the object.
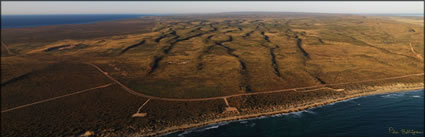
(197, 57)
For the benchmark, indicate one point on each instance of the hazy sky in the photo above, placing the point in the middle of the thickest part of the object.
(95, 7)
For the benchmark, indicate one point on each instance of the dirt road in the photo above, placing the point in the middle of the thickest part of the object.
(241, 94)
(414, 52)
(58, 97)
(6, 47)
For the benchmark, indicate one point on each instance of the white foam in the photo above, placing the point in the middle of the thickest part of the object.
(394, 95)
(261, 117)
(300, 113)
(212, 127)
(296, 114)
(348, 100)
(278, 115)
(202, 129)
(311, 112)
(184, 133)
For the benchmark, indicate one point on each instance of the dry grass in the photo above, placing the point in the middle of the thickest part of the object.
(198, 57)
(222, 56)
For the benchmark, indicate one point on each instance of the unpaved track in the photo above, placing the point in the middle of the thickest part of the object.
(235, 95)
(6, 47)
(58, 97)
(140, 108)
(414, 52)
(225, 101)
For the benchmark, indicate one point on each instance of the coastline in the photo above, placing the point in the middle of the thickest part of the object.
(370, 91)
(82, 19)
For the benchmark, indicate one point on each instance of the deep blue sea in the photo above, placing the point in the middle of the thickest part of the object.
(372, 116)
(19, 21)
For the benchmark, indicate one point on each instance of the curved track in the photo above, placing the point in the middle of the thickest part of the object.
(235, 95)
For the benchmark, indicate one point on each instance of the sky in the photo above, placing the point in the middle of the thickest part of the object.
(176, 7)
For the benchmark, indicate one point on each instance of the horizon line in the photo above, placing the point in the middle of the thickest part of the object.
(210, 13)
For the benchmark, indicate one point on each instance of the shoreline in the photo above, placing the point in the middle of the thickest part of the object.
(385, 90)
(108, 19)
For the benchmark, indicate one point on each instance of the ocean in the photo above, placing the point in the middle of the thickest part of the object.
(384, 115)
(19, 21)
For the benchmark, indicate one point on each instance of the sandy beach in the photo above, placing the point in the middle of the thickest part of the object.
(370, 91)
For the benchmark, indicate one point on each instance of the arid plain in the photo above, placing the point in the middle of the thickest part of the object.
(158, 74)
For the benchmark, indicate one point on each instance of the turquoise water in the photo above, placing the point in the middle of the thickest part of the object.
(365, 116)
